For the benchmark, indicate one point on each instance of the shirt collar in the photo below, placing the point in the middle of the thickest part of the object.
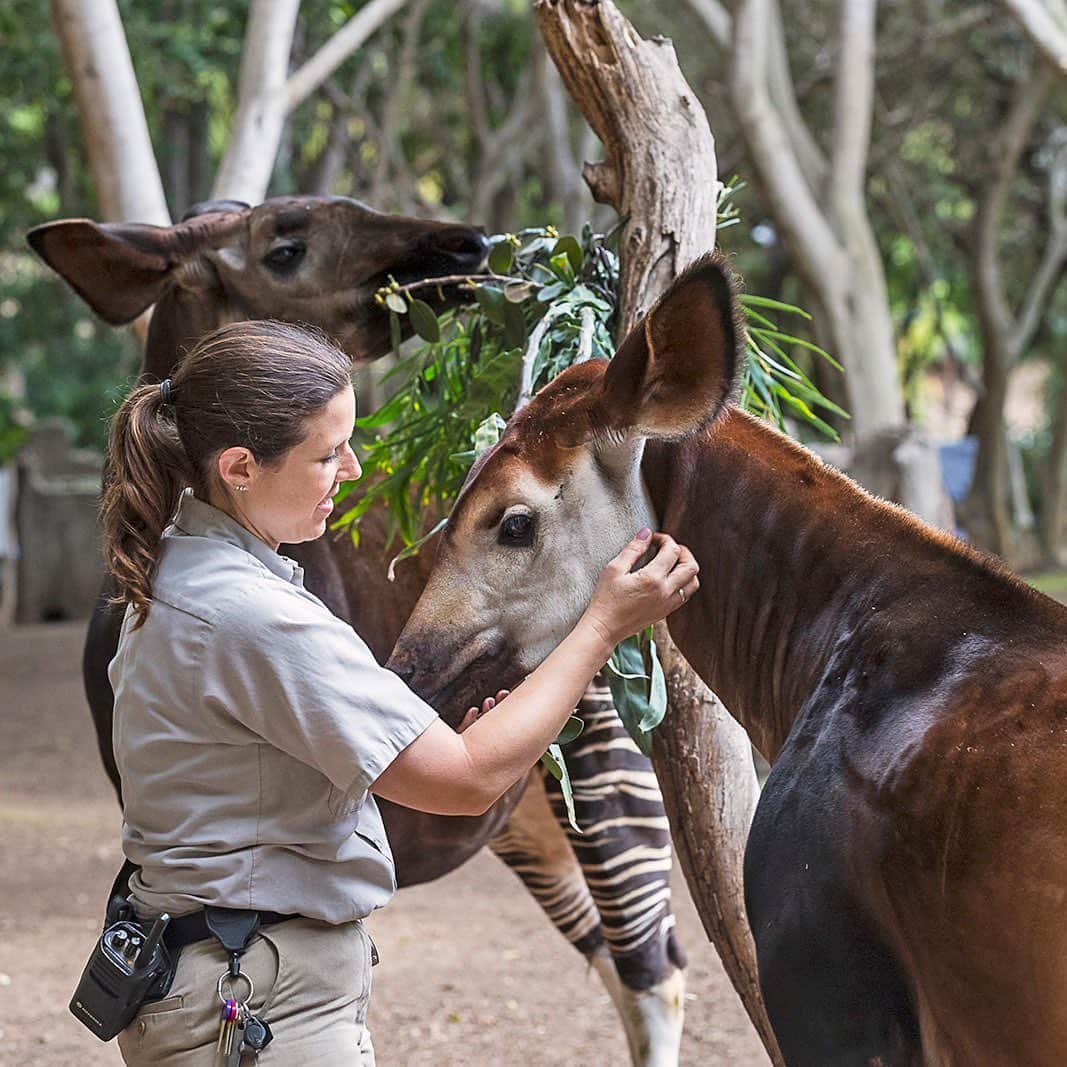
(197, 518)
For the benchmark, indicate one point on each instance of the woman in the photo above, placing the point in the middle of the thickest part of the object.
(252, 725)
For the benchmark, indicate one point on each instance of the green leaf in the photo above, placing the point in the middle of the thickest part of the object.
(491, 301)
(774, 305)
(424, 321)
(561, 267)
(570, 247)
(501, 257)
(657, 690)
(514, 325)
(628, 683)
(570, 731)
(518, 292)
(488, 433)
(553, 760)
(395, 302)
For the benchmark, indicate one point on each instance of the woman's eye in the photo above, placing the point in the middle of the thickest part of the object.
(517, 531)
(285, 257)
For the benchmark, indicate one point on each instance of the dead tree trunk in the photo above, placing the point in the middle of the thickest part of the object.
(660, 175)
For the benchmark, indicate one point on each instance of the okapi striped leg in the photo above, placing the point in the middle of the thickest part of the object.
(534, 847)
(625, 852)
(614, 906)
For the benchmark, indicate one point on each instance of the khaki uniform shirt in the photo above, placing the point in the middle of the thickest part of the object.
(249, 724)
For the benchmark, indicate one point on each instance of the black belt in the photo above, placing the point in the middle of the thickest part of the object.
(187, 929)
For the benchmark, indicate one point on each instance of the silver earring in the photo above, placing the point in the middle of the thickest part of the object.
(241, 488)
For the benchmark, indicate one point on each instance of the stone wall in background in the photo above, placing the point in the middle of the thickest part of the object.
(59, 565)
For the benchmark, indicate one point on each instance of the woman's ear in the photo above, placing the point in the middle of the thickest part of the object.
(677, 368)
(236, 467)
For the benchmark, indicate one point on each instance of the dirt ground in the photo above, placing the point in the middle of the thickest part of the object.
(471, 973)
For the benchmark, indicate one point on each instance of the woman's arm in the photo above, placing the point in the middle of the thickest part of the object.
(447, 773)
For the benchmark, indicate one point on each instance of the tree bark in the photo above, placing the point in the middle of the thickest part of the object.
(97, 59)
(703, 760)
(653, 131)
(660, 175)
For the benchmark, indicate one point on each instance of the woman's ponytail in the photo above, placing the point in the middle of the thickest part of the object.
(147, 471)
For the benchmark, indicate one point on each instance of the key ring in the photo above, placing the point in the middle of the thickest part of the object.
(233, 978)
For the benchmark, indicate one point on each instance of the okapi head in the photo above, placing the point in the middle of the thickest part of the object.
(543, 511)
(302, 259)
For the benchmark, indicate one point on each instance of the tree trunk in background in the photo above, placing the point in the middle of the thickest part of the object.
(827, 232)
(1006, 333)
(257, 129)
(267, 93)
(97, 59)
(660, 173)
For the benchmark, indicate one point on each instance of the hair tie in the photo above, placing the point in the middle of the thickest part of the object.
(166, 392)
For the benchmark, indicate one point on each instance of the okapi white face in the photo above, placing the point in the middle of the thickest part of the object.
(543, 511)
(302, 259)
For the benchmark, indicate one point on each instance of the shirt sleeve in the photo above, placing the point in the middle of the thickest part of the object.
(293, 673)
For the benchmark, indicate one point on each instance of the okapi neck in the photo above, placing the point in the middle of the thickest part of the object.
(804, 574)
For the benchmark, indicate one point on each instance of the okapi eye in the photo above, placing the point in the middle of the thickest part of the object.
(517, 530)
(285, 257)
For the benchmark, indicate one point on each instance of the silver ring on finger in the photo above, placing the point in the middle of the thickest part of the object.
(681, 593)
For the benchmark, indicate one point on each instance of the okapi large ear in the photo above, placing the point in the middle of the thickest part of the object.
(122, 268)
(677, 368)
(118, 269)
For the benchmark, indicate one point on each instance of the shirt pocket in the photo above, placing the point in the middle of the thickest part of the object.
(343, 805)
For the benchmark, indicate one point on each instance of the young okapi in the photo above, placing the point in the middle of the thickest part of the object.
(320, 261)
(905, 874)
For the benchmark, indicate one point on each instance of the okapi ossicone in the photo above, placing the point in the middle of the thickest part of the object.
(906, 872)
(319, 261)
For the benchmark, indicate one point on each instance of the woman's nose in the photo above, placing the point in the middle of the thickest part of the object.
(352, 467)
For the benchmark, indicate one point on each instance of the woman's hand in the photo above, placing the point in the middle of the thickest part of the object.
(625, 601)
(474, 714)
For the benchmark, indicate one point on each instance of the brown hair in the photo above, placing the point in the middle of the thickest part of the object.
(252, 385)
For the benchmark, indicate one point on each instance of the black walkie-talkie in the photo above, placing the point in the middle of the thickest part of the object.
(127, 967)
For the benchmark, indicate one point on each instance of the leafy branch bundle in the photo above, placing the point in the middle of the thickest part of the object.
(545, 303)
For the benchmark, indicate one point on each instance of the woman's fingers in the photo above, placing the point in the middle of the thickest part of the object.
(626, 559)
(474, 714)
(665, 559)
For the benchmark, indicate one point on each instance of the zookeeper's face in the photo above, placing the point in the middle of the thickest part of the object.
(291, 501)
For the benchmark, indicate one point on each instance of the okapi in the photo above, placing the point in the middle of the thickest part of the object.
(906, 872)
(320, 261)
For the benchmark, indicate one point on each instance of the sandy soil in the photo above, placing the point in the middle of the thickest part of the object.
(471, 973)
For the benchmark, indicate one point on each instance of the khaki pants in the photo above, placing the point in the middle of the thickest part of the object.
(312, 985)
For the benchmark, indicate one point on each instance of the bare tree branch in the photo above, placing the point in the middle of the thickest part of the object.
(793, 204)
(1047, 32)
(1005, 154)
(779, 83)
(367, 21)
(1052, 261)
(266, 93)
(853, 103)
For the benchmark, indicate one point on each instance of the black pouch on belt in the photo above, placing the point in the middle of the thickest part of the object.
(129, 966)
